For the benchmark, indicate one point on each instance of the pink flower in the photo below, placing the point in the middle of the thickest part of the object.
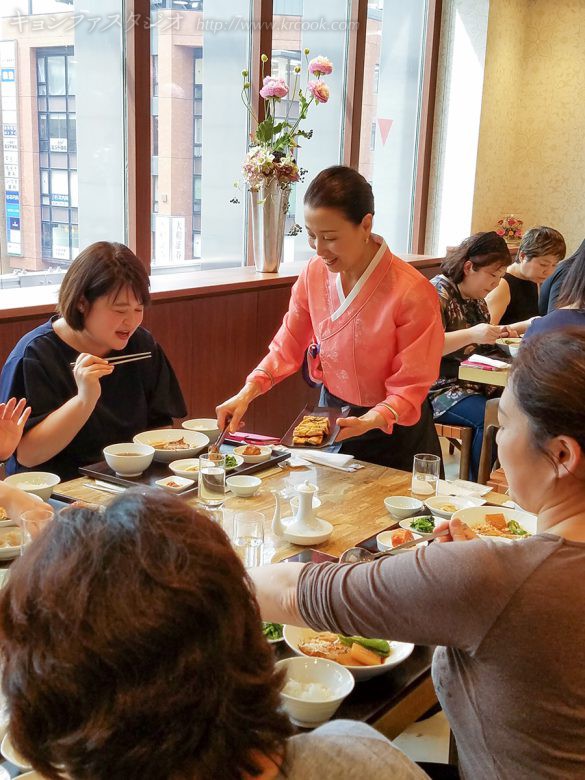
(511, 221)
(272, 87)
(319, 90)
(321, 66)
(500, 232)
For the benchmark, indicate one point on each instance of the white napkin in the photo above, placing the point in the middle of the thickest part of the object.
(333, 459)
(488, 361)
(461, 487)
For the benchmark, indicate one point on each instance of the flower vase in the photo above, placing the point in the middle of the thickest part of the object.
(269, 206)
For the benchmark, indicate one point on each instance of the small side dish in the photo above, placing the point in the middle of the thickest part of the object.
(272, 631)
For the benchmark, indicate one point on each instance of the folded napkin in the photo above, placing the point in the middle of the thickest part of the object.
(252, 438)
(333, 459)
(482, 361)
(463, 488)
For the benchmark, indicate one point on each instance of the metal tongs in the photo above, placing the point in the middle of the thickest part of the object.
(220, 439)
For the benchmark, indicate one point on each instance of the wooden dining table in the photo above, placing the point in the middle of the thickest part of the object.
(353, 502)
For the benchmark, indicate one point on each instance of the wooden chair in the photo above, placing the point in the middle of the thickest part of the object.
(459, 436)
(490, 427)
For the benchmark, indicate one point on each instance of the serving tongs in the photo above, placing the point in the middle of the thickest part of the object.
(220, 439)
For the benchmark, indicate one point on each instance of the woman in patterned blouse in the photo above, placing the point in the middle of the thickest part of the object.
(468, 274)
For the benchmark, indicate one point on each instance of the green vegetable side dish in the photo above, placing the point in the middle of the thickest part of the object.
(272, 631)
(426, 525)
(230, 461)
(380, 646)
(515, 528)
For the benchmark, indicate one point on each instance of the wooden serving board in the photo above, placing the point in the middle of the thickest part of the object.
(158, 470)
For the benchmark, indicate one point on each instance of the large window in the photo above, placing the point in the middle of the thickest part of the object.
(62, 114)
(393, 71)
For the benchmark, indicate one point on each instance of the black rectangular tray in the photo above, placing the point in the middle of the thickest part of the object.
(158, 470)
(333, 413)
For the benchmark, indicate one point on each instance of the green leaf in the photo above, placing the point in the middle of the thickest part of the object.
(380, 646)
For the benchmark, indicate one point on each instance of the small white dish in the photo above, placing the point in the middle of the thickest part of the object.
(399, 651)
(318, 673)
(14, 534)
(9, 752)
(265, 453)
(444, 507)
(407, 523)
(206, 425)
(40, 483)
(185, 467)
(384, 540)
(175, 484)
(270, 641)
(401, 507)
(239, 460)
(243, 486)
(509, 345)
(129, 460)
(196, 442)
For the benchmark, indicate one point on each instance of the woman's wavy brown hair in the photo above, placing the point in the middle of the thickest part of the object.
(132, 647)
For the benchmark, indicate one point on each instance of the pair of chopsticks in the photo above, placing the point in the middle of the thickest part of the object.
(118, 360)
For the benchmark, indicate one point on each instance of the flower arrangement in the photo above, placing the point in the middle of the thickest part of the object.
(510, 228)
(271, 155)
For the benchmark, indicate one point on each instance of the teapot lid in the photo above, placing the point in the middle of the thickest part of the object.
(307, 487)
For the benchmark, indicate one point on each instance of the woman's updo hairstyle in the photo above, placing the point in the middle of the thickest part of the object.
(343, 189)
(548, 383)
(483, 249)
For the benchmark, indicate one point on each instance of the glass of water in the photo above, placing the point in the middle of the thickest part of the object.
(249, 537)
(212, 479)
(32, 522)
(425, 475)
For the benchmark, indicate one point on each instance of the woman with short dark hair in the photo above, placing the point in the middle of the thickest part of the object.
(80, 402)
(514, 301)
(468, 273)
(369, 324)
(132, 647)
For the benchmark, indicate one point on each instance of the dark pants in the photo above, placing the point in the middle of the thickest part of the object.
(469, 411)
(395, 450)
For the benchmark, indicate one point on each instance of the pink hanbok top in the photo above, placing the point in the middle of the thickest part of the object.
(379, 347)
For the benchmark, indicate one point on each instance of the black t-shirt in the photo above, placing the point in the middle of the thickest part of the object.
(551, 288)
(136, 397)
(523, 300)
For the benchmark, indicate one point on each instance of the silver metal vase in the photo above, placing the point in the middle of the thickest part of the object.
(269, 206)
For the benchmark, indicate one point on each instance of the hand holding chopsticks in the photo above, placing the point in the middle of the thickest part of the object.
(89, 369)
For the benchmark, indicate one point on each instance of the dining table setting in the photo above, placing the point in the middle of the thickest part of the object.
(300, 505)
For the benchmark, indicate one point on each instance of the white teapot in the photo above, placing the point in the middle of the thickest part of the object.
(303, 527)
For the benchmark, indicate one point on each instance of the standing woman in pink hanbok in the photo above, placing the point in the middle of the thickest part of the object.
(369, 323)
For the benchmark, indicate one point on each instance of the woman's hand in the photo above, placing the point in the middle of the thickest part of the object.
(232, 411)
(484, 333)
(88, 371)
(13, 416)
(355, 426)
(458, 531)
(16, 501)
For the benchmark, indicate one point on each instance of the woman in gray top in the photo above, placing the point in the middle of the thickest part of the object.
(508, 616)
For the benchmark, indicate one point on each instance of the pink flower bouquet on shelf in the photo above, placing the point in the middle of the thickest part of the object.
(510, 228)
(271, 154)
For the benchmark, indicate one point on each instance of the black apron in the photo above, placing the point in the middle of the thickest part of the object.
(395, 450)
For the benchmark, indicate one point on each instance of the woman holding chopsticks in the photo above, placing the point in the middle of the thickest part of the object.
(91, 374)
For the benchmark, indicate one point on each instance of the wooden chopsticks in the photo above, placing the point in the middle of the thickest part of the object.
(117, 360)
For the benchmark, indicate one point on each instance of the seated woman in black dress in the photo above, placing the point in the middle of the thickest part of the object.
(570, 305)
(514, 302)
(80, 402)
(467, 275)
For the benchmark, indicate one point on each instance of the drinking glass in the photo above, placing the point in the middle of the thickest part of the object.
(425, 475)
(32, 522)
(212, 479)
(249, 537)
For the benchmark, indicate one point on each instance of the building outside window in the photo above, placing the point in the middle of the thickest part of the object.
(57, 153)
